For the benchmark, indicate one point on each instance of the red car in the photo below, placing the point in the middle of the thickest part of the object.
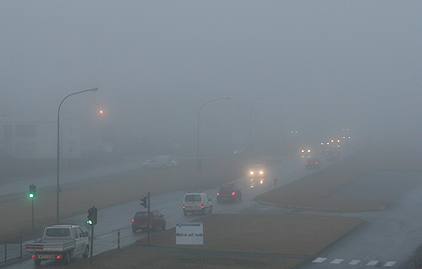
(156, 221)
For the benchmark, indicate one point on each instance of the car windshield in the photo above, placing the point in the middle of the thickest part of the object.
(193, 198)
(58, 232)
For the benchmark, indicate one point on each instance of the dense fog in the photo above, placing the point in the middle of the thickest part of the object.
(315, 67)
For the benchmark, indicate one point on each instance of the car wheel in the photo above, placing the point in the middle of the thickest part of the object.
(37, 262)
(185, 213)
(210, 209)
(133, 230)
(203, 211)
(86, 252)
(240, 198)
(163, 227)
(219, 201)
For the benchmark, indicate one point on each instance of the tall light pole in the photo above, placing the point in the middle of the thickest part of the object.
(250, 117)
(58, 146)
(197, 137)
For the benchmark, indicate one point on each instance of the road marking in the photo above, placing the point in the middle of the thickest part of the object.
(354, 262)
(319, 260)
(372, 263)
(389, 264)
(337, 261)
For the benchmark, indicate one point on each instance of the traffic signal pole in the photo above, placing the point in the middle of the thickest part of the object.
(33, 214)
(92, 243)
(32, 194)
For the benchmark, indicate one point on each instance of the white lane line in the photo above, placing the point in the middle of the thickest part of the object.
(372, 263)
(389, 264)
(337, 261)
(354, 262)
(319, 260)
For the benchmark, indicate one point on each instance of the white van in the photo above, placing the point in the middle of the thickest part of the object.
(196, 202)
(164, 161)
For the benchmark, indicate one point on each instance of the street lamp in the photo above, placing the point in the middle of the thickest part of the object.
(197, 132)
(250, 117)
(58, 146)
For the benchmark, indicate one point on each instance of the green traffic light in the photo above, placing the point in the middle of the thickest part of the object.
(31, 195)
(89, 222)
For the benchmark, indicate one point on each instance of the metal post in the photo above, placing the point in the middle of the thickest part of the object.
(58, 190)
(118, 239)
(5, 252)
(92, 242)
(149, 212)
(32, 213)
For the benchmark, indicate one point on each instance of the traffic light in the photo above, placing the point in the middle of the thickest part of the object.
(144, 202)
(32, 191)
(92, 216)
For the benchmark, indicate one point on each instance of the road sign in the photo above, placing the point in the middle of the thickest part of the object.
(190, 233)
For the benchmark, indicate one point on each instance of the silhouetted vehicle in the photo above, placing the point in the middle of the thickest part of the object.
(230, 193)
(156, 221)
(312, 163)
(332, 155)
(164, 161)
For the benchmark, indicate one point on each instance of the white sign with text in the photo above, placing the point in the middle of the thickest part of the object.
(190, 233)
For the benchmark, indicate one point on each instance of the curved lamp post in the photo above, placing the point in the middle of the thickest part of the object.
(58, 146)
(197, 132)
(250, 117)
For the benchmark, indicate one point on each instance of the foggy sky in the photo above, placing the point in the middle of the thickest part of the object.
(328, 64)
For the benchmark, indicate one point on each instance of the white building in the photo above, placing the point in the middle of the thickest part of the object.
(31, 137)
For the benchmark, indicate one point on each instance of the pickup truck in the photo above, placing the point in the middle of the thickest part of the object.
(60, 242)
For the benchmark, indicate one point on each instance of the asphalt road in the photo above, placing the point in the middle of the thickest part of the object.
(387, 239)
(118, 218)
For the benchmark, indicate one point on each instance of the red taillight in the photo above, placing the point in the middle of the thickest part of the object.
(59, 257)
(306, 162)
(133, 220)
(218, 193)
(183, 206)
(233, 193)
(33, 256)
(316, 162)
(202, 206)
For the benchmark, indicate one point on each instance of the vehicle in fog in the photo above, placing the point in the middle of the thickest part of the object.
(60, 242)
(164, 161)
(257, 171)
(229, 193)
(156, 221)
(312, 163)
(332, 155)
(196, 202)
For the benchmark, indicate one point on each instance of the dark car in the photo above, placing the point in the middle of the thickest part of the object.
(229, 193)
(156, 221)
(312, 163)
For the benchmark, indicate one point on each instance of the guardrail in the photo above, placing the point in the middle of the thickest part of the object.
(13, 251)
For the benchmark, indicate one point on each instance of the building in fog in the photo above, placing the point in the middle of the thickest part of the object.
(32, 137)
